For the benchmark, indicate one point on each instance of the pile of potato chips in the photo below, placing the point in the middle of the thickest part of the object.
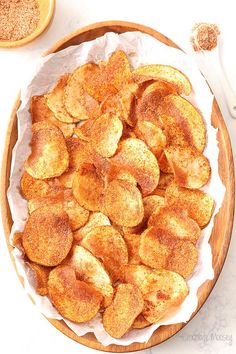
(113, 189)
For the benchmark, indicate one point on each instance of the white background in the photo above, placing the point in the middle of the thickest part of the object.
(22, 329)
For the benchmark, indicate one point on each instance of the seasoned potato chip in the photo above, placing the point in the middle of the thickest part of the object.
(191, 168)
(106, 133)
(164, 164)
(165, 180)
(134, 274)
(40, 277)
(40, 112)
(176, 222)
(55, 101)
(183, 122)
(152, 135)
(132, 242)
(105, 243)
(95, 219)
(134, 156)
(165, 73)
(199, 205)
(88, 187)
(47, 236)
(140, 322)
(89, 269)
(83, 131)
(152, 203)
(74, 299)
(123, 203)
(49, 156)
(161, 87)
(126, 306)
(117, 173)
(33, 188)
(77, 101)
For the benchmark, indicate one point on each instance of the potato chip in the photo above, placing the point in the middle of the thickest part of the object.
(33, 188)
(117, 173)
(40, 112)
(199, 205)
(165, 180)
(95, 219)
(88, 187)
(183, 121)
(40, 277)
(77, 101)
(106, 133)
(89, 269)
(134, 274)
(105, 243)
(123, 203)
(152, 135)
(140, 322)
(160, 87)
(126, 306)
(83, 131)
(74, 299)
(132, 242)
(191, 168)
(152, 203)
(164, 164)
(47, 236)
(49, 156)
(166, 73)
(176, 222)
(134, 156)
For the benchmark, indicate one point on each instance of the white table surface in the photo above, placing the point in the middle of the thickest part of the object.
(22, 329)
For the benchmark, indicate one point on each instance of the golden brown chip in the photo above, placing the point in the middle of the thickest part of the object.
(74, 299)
(123, 203)
(176, 222)
(95, 219)
(47, 237)
(40, 112)
(163, 88)
(49, 156)
(166, 73)
(83, 130)
(105, 243)
(132, 242)
(88, 187)
(55, 101)
(140, 322)
(165, 180)
(40, 277)
(89, 269)
(33, 188)
(77, 101)
(152, 203)
(106, 133)
(183, 121)
(164, 164)
(134, 156)
(191, 169)
(126, 306)
(117, 173)
(199, 205)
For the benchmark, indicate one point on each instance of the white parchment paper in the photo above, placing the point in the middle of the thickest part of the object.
(140, 49)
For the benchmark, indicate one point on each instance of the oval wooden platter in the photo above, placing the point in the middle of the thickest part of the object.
(221, 234)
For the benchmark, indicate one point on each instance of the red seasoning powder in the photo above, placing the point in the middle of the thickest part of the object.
(204, 36)
(18, 18)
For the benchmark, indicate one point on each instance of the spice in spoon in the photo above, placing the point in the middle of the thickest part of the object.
(204, 36)
(18, 19)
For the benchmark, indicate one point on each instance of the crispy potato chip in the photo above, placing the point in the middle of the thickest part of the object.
(40, 277)
(191, 168)
(152, 135)
(165, 180)
(33, 188)
(95, 219)
(176, 222)
(77, 101)
(105, 243)
(152, 203)
(161, 290)
(55, 101)
(106, 133)
(126, 306)
(83, 131)
(123, 203)
(117, 173)
(164, 164)
(161, 87)
(132, 242)
(199, 205)
(40, 112)
(182, 122)
(134, 156)
(49, 156)
(89, 269)
(140, 322)
(47, 237)
(166, 73)
(74, 299)
(88, 187)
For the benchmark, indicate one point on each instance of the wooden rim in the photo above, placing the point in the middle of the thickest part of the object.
(226, 213)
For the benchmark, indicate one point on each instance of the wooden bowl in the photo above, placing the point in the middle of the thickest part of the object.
(221, 233)
(46, 9)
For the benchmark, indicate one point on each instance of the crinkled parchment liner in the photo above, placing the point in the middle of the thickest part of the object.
(141, 49)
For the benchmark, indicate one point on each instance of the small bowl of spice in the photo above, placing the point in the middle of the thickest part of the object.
(21, 21)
